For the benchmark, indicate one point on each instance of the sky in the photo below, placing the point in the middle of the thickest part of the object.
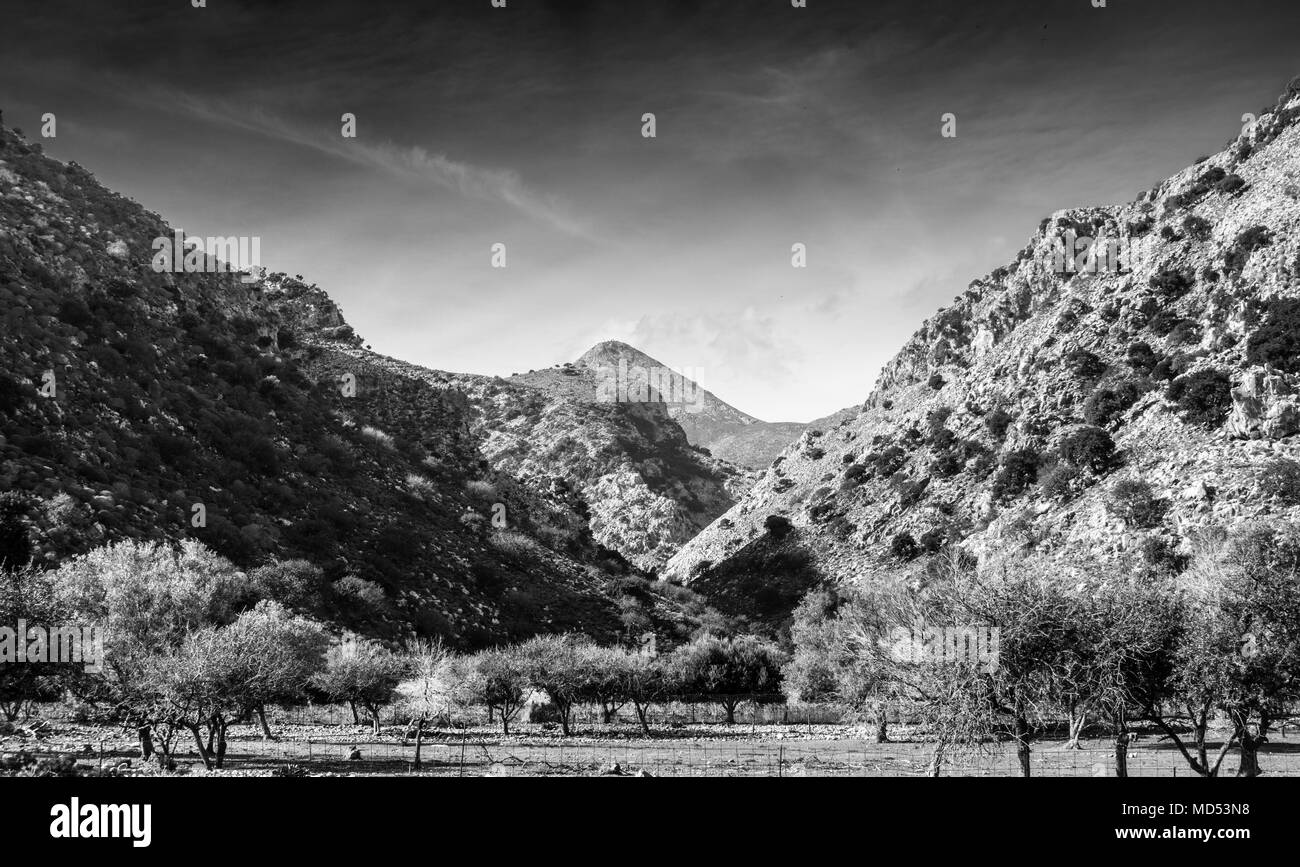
(522, 126)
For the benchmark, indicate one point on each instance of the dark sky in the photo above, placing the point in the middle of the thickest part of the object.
(522, 126)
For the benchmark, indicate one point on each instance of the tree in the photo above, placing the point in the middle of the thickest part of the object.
(219, 676)
(426, 693)
(285, 651)
(647, 682)
(497, 682)
(729, 671)
(360, 672)
(27, 596)
(557, 665)
(1236, 647)
(605, 678)
(147, 597)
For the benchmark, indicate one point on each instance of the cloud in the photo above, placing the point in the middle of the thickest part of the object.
(410, 164)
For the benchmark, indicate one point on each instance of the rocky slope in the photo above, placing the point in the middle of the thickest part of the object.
(140, 404)
(993, 428)
(622, 475)
(709, 422)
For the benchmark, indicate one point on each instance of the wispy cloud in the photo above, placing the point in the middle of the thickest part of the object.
(407, 163)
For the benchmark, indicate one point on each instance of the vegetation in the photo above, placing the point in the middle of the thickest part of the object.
(1203, 397)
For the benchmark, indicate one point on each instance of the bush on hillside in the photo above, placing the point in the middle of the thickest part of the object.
(1089, 448)
(1203, 397)
(1105, 405)
(1135, 502)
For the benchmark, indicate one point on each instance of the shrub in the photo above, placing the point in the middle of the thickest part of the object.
(1198, 228)
(777, 526)
(932, 541)
(1231, 184)
(888, 462)
(378, 437)
(904, 547)
(1141, 357)
(1246, 243)
(854, 475)
(1135, 502)
(1019, 470)
(1089, 448)
(998, 422)
(1280, 479)
(1203, 397)
(1172, 283)
(1185, 332)
(1085, 364)
(482, 491)
(1058, 483)
(1276, 341)
(936, 381)
(1105, 405)
(517, 545)
(946, 465)
(1163, 557)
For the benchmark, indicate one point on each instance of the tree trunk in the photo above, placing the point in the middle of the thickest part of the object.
(146, 743)
(607, 712)
(222, 725)
(1022, 744)
(505, 722)
(266, 729)
(882, 728)
(641, 711)
(565, 710)
(730, 707)
(936, 762)
(1077, 722)
(1250, 744)
(419, 742)
(1121, 753)
(356, 717)
(373, 710)
(203, 750)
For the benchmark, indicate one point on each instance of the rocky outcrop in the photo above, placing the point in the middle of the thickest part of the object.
(1011, 417)
(1264, 406)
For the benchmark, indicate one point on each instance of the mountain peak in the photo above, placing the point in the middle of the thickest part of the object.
(613, 351)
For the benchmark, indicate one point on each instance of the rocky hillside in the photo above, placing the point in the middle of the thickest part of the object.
(139, 404)
(1128, 413)
(579, 470)
(709, 422)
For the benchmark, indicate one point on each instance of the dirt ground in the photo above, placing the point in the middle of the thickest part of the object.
(691, 750)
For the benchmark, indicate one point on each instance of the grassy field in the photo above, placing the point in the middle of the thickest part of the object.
(682, 750)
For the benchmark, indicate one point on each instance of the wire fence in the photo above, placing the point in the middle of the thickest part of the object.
(477, 757)
(686, 741)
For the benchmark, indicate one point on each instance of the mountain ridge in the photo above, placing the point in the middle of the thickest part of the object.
(1121, 414)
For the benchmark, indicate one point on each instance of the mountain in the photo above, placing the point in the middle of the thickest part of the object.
(145, 404)
(709, 422)
(623, 474)
(1128, 414)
